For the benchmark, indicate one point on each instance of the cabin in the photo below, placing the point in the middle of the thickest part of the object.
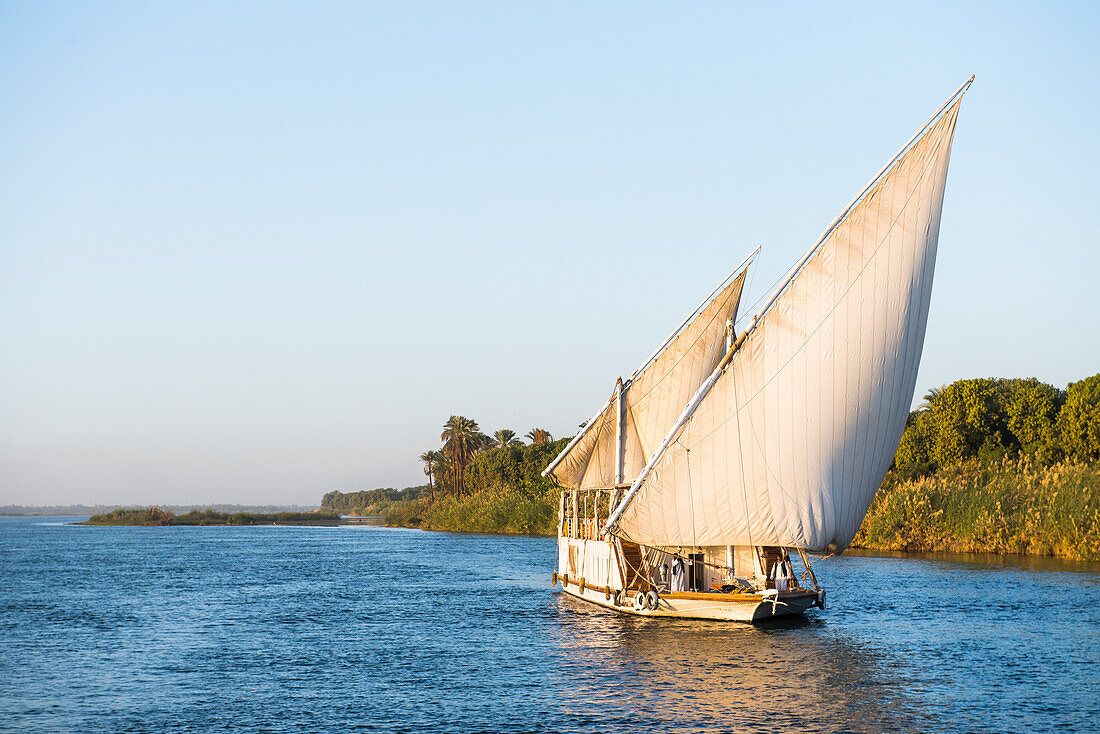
(598, 561)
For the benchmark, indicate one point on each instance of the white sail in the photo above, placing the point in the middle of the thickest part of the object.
(791, 443)
(653, 400)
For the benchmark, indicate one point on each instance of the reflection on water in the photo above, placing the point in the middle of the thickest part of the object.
(991, 561)
(690, 675)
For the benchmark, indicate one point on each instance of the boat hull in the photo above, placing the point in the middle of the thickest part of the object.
(749, 608)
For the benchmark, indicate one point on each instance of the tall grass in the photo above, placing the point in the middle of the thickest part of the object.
(503, 509)
(1010, 506)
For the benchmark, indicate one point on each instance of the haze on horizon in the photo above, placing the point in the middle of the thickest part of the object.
(254, 253)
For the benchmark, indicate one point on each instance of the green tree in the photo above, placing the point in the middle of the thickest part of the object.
(1032, 409)
(930, 397)
(517, 468)
(969, 420)
(985, 418)
(433, 463)
(914, 455)
(1079, 419)
(539, 435)
(505, 438)
(462, 439)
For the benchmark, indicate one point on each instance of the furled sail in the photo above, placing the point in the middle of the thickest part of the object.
(792, 441)
(652, 400)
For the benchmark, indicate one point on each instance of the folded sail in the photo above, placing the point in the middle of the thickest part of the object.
(791, 443)
(653, 400)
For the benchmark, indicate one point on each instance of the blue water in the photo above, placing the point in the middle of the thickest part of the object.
(371, 629)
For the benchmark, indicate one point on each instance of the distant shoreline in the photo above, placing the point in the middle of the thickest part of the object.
(75, 510)
(157, 517)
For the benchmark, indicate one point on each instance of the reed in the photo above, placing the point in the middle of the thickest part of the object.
(504, 509)
(157, 516)
(142, 516)
(1009, 506)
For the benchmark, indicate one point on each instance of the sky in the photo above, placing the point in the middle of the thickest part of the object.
(254, 252)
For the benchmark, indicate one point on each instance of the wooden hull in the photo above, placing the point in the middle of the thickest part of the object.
(725, 607)
(597, 571)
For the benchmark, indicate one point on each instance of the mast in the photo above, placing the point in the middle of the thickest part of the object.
(620, 430)
(685, 416)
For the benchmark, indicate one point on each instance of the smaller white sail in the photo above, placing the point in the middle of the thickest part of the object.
(653, 400)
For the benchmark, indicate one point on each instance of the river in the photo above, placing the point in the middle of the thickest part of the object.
(200, 629)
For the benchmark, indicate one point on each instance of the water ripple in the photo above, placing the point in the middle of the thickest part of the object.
(369, 629)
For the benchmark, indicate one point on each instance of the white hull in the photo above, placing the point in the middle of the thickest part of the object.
(597, 572)
(749, 610)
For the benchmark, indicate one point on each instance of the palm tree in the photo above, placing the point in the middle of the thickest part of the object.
(539, 435)
(429, 472)
(931, 396)
(461, 440)
(433, 462)
(504, 438)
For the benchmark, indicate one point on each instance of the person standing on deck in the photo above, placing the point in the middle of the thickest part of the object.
(678, 575)
(779, 575)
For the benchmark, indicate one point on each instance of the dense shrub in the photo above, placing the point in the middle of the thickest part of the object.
(993, 418)
(143, 516)
(1079, 419)
(1014, 506)
(360, 502)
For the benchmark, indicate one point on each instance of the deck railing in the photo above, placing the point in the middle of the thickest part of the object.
(582, 512)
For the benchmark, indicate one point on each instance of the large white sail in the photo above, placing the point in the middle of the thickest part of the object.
(653, 400)
(791, 443)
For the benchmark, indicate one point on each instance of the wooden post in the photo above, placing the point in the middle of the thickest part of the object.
(561, 513)
(575, 530)
(806, 563)
(620, 429)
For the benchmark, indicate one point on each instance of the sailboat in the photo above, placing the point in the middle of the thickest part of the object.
(712, 473)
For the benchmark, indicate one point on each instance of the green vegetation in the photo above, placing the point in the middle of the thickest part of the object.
(157, 516)
(997, 466)
(991, 419)
(984, 465)
(371, 501)
(1009, 506)
(146, 516)
(475, 484)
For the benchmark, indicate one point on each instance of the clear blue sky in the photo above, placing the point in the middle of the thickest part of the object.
(253, 252)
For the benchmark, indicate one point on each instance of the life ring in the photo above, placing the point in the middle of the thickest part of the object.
(617, 597)
(639, 601)
(651, 600)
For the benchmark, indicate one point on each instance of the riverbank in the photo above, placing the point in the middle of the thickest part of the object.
(504, 511)
(1008, 507)
(154, 516)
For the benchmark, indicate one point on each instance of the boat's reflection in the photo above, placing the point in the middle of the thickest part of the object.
(787, 674)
